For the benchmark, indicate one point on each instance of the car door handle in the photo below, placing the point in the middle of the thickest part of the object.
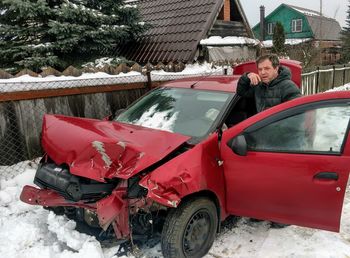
(327, 176)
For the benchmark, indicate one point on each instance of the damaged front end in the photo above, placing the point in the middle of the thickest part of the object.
(117, 207)
(92, 174)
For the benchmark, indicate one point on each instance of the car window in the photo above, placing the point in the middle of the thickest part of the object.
(186, 111)
(315, 130)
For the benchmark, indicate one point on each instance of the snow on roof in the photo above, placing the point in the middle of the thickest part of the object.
(268, 43)
(307, 12)
(231, 40)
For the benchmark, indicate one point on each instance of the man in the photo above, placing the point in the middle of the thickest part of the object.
(271, 86)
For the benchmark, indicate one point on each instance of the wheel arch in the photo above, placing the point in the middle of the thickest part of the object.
(211, 196)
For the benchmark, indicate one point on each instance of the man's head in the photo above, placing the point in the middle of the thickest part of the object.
(268, 66)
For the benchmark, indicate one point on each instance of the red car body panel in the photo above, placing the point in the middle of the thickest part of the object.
(194, 171)
(213, 83)
(48, 198)
(112, 209)
(100, 149)
(281, 186)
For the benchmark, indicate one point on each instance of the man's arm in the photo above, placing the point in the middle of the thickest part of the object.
(291, 91)
(244, 87)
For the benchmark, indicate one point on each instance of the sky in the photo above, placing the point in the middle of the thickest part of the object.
(332, 8)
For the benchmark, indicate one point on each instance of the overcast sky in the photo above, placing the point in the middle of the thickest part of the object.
(332, 8)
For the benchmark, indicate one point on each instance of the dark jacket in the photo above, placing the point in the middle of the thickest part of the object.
(277, 91)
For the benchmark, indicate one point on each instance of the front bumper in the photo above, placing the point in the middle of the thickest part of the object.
(112, 209)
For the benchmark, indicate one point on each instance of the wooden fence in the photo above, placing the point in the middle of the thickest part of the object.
(325, 78)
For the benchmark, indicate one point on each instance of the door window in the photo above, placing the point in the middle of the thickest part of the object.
(315, 130)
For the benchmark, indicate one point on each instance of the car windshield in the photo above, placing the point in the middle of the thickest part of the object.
(186, 111)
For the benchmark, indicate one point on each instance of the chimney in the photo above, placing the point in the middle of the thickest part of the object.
(262, 23)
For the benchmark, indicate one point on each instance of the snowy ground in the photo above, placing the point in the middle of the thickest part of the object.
(31, 231)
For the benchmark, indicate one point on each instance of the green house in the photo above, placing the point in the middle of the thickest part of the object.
(299, 23)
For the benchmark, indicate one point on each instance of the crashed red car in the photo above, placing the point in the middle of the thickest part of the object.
(208, 155)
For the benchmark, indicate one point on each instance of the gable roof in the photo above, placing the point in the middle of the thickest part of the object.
(330, 27)
(323, 27)
(177, 28)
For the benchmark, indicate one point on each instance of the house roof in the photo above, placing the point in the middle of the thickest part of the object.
(323, 27)
(177, 28)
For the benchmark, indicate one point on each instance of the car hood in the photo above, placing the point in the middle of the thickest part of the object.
(98, 149)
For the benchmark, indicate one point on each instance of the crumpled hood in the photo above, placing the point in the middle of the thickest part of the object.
(102, 149)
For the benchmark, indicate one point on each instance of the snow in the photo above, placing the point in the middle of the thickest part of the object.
(33, 232)
(217, 40)
(308, 12)
(268, 43)
(158, 120)
(27, 82)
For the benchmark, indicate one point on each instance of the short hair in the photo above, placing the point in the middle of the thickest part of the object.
(272, 57)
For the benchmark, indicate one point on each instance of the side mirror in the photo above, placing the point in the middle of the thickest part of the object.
(238, 145)
(118, 112)
(112, 116)
(108, 118)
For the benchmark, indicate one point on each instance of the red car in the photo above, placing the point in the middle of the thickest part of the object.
(208, 155)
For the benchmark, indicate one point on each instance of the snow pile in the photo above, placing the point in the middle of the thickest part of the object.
(268, 43)
(31, 231)
(231, 40)
(345, 87)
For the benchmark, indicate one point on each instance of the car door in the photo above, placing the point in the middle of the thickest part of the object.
(290, 164)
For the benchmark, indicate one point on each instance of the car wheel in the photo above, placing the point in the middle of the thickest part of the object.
(190, 229)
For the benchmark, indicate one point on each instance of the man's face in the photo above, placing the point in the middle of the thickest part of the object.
(266, 71)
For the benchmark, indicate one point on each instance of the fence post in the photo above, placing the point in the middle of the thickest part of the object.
(149, 79)
(333, 78)
(317, 79)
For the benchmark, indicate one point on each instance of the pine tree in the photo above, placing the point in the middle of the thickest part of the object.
(278, 39)
(345, 37)
(36, 33)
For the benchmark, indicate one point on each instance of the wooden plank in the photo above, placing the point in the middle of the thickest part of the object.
(47, 93)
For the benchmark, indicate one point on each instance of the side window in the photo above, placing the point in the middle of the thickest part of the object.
(297, 25)
(316, 130)
(270, 28)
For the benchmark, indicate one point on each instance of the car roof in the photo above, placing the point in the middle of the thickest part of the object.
(226, 83)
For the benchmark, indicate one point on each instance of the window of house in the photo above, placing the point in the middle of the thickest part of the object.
(297, 25)
(270, 28)
(321, 129)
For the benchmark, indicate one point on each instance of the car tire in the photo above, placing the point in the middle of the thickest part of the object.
(190, 229)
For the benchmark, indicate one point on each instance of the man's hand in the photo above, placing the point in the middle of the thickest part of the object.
(254, 79)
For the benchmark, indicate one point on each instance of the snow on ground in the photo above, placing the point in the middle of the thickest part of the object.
(33, 232)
